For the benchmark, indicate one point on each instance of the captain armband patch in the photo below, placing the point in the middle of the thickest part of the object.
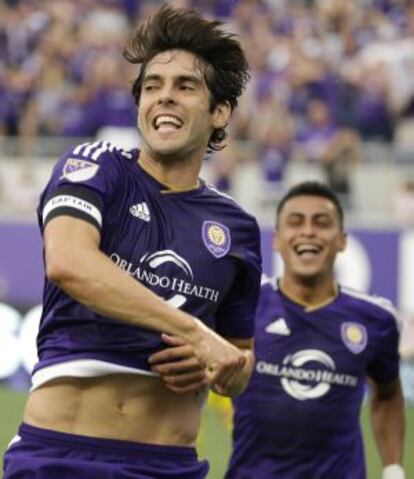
(77, 202)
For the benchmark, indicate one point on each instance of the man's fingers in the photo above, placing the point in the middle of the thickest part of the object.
(181, 366)
(171, 354)
(223, 377)
(185, 389)
(216, 372)
(185, 379)
(172, 340)
(185, 383)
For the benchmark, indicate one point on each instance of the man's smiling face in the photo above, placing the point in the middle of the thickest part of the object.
(309, 236)
(174, 116)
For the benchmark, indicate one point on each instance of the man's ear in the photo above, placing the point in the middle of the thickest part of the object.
(275, 240)
(342, 241)
(221, 115)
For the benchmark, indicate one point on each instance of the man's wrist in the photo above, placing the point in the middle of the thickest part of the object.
(393, 471)
(193, 330)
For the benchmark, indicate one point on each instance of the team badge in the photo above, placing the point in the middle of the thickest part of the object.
(354, 336)
(77, 170)
(216, 237)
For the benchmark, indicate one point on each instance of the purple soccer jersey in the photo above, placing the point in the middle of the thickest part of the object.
(197, 249)
(299, 417)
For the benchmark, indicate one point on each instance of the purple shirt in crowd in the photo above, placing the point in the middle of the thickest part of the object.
(299, 417)
(196, 249)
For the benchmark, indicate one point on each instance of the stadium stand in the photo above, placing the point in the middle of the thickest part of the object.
(331, 96)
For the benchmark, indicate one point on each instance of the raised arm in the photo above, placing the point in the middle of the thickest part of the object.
(388, 426)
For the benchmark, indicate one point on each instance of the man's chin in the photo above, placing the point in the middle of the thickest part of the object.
(307, 275)
(168, 154)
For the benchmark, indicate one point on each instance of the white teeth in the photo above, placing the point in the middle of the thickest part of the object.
(307, 248)
(167, 119)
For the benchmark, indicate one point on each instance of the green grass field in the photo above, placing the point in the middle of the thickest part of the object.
(214, 441)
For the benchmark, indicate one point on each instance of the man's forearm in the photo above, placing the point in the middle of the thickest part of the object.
(388, 423)
(95, 281)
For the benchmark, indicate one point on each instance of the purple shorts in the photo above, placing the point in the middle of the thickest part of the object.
(46, 454)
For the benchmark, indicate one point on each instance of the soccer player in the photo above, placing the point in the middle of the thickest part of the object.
(316, 343)
(140, 252)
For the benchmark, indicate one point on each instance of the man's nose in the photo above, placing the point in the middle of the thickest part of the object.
(308, 229)
(166, 95)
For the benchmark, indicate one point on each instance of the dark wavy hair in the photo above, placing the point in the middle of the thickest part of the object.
(226, 69)
(313, 188)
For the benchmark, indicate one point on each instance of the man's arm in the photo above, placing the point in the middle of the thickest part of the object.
(388, 424)
(75, 263)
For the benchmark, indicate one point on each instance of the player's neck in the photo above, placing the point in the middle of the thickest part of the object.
(310, 294)
(176, 176)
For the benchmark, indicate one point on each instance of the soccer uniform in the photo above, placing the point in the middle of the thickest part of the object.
(299, 417)
(196, 249)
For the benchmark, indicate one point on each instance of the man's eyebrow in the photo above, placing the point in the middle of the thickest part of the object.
(179, 79)
(190, 78)
(152, 77)
(321, 214)
(295, 213)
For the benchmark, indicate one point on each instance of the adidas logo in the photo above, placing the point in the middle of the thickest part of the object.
(278, 327)
(140, 211)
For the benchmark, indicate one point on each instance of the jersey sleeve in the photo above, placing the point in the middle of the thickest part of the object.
(82, 184)
(384, 365)
(235, 318)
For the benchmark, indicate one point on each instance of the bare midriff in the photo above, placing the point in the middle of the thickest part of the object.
(125, 407)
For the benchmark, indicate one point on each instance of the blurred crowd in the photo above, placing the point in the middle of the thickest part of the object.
(327, 77)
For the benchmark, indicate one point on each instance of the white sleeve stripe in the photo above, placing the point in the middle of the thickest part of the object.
(78, 149)
(69, 201)
(126, 154)
(104, 147)
(87, 151)
(383, 303)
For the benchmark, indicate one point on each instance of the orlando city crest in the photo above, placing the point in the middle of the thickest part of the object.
(354, 336)
(217, 238)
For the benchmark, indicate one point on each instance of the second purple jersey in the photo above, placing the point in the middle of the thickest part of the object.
(299, 417)
(198, 250)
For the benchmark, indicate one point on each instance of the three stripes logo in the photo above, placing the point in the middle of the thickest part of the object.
(141, 211)
(83, 165)
(93, 151)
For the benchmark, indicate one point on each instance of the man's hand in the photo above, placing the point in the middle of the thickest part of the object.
(234, 384)
(179, 366)
(204, 359)
(229, 362)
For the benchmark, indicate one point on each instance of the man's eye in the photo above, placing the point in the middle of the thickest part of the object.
(323, 223)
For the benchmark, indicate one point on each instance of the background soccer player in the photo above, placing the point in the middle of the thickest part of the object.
(123, 229)
(315, 344)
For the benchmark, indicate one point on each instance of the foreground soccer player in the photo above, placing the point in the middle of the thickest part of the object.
(123, 229)
(315, 345)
